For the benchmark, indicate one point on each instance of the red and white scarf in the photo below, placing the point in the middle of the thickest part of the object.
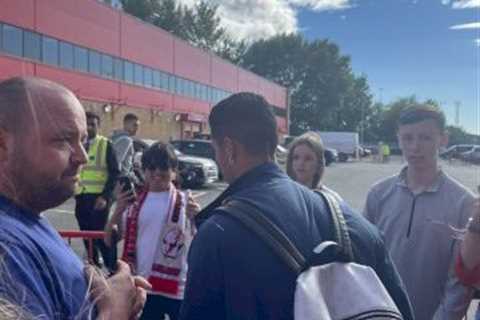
(168, 274)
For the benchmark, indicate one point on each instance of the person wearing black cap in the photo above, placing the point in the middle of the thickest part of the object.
(416, 210)
(232, 274)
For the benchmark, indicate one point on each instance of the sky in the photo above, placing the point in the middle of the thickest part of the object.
(427, 48)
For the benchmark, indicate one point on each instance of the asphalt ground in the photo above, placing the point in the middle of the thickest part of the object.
(352, 180)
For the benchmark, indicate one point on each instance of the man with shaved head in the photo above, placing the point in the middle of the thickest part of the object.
(42, 127)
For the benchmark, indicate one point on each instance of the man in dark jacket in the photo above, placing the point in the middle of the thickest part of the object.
(232, 274)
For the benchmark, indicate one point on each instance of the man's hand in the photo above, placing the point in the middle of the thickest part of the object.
(100, 203)
(193, 207)
(119, 297)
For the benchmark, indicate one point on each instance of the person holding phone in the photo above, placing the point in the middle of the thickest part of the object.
(157, 227)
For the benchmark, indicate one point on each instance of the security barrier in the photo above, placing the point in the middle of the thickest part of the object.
(89, 236)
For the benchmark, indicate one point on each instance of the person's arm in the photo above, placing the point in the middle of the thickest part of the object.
(204, 295)
(371, 207)
(456, 296)
(113, 172)
(123, 201)
(470, 249)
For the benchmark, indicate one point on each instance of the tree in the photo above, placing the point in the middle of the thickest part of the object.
(391, 114)
(142, 9)
(200, 25)
(325, 94)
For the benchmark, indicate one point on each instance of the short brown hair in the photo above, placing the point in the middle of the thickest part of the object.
(421, 112)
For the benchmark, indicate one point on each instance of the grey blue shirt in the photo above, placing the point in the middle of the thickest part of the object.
(40, 273)
(418, 234)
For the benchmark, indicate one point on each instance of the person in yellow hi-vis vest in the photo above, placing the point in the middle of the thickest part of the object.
(97, 180)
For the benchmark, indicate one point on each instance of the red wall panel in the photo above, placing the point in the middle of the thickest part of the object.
(224, 75)
(189, 105)
(84, 22)
(18, 12)
(97, 26)
(142, 97)
(191, 63)
(146, 44)
(282, 125)
(83, 85)
(11, 67)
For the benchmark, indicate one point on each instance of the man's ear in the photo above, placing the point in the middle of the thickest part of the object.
(444, 139)
(5, 144)
(229, 149)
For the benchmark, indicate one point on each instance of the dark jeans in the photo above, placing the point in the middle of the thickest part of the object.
(94, 220)
(158, 306)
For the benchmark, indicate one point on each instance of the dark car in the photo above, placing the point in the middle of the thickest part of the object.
(331, 155)
(194, 171)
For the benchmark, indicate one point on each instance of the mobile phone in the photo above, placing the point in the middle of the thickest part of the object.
(111, 264)
(126, 183)
(127, 186)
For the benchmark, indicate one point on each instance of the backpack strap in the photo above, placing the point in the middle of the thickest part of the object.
(254, 220)
(341, 235)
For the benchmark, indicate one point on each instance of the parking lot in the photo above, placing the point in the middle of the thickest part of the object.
(351, 180)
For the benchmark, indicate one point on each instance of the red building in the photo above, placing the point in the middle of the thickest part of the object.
(116, 64)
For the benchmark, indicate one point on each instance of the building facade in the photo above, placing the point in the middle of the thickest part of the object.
(117, 64)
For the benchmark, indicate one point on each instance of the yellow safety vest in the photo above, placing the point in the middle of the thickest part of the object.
(94, 174)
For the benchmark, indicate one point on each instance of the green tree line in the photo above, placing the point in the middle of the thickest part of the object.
(325, 94)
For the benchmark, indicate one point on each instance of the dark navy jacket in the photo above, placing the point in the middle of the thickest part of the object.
(233, 275)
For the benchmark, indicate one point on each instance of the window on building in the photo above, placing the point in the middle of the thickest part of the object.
(156, 79)
(94, 62)
(118, 68)
(107, 66)
(204, 93)
(128, 71)
(147, 77)
(50, 50)
(164, 80)
(179, 86)
(171, 83)
(12, 40)
(32, 45)
(188, 88)
(80, 58)
(138, 74)
(66, 55)
(1, 36)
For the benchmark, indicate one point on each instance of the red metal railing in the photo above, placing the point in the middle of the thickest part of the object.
(89, 236)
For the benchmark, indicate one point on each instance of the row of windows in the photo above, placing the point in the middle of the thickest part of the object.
(31, 45)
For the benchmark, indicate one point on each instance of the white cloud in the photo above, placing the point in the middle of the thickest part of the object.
(257, 19)
(321, 5)
(477, 42)
(466, 4)
(466, 26)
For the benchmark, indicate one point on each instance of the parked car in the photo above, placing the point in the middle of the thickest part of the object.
(331, 155)
(472, 156)
(195, 147)
(455, 151)
(281, 154)
(194, 171)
